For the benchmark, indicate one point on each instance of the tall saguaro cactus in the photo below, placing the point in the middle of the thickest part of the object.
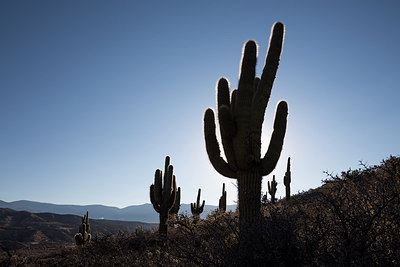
(287, 179)
(162, 195)
(272, 189)
(83, 236)
(196, 208)
(222, 200)
(240, 119)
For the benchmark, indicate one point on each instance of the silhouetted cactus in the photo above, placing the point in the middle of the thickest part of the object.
(240, 118)
(272, 189)
(177, 204)
(287, 179)
(162, 195)
(222, 199)
(196, 208)
(83, 236)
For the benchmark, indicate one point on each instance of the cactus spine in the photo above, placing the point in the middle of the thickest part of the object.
(177, 204)
(222, 200)
(287, 179)
(196, 208)
(240, 119)
(162, 195)
(272, 189)
(83, 236)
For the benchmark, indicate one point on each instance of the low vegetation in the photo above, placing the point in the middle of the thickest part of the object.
(351, 220)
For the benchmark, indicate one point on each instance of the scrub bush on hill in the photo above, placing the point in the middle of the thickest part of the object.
(352, 220)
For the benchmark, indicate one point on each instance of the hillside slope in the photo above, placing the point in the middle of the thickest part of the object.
(21, 228)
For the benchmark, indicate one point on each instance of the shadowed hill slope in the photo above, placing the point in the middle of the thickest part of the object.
(22, 228)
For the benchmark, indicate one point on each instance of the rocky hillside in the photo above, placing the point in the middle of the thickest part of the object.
(19, 229)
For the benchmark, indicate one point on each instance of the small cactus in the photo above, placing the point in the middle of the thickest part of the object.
(287, 179)
(83, 236)
(196, 208)
(222, 200)
(177, 204)
(162, 195)
(139, 231)
(272, 189)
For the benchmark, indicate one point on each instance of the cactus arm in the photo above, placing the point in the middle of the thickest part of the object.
(192, 210)
(198, 198)
(168, 182)
(223, 93)
(228, 129)
(153, 200)
(288, 172)
(275, 146)
(271, 62)
(167, 163)
(264, 87)
(245, 88)
(242, 114)
(212, 146)
(167, 173)
(172, 196)
(177, 204)
(87, 222)
(269, 187)
(157, 188)
(202, 206)
(227, 125)
(233, 101)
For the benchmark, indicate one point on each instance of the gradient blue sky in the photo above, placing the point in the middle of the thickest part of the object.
(95, 94)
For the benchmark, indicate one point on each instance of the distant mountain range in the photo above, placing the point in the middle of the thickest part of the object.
(138, 213)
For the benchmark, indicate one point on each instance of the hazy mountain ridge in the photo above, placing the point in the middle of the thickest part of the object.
(138, 213)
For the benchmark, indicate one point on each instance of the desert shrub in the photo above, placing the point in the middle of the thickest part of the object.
(213, 241)
(352, 220)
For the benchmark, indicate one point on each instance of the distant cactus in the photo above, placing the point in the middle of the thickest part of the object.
(272, 189)
(177, 205)
(240, 119)
(83, 236)
(287, 179)
(162, 195)
(139, 231)
(196, 208)
(222, 199)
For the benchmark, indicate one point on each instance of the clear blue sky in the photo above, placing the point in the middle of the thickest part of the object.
(95, 94)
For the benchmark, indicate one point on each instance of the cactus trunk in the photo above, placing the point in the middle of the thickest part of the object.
(249, 187)
(163, 227)
(287, 192)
